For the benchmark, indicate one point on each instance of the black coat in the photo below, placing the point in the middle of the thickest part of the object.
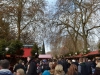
(65, 66)
(18, 67)
(82, 68)
(32, 68)
(88, 64)
(97, 71)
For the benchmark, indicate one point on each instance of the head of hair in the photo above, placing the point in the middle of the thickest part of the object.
(20, 61)
(21, 71)
(31, 57)
(4, 64)
(72, 69)
(59, 69)
(52, 65)
(80, 59)
(69, 61)
(97, 60)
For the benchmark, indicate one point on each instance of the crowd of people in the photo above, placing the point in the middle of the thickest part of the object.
(83, 66)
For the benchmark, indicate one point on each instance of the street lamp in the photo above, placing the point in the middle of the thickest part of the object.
(88, 48)
(35, 53)
(75, 53)
(69, 54)
(6, 48)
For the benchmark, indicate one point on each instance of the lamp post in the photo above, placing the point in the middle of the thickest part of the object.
(6, 49)
(75, 53)
(69, 54)
(35, 53)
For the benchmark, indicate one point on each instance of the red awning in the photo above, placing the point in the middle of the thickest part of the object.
(78, 56)
(93, 53)
(27, 52)
(45, 56)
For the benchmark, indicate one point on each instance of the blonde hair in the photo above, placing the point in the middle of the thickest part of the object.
(59, 70)
(21, 71)
(98, 64)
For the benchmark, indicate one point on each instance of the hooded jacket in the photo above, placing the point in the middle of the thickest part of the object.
(5, 72)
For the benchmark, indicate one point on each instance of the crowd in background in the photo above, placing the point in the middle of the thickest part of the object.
(83, 66)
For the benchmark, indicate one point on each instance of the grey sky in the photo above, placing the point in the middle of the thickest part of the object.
(50, 6)
(51, 2)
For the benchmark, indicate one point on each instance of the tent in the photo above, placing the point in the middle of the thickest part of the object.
(45, 56)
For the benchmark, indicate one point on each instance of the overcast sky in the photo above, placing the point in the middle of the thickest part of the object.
(51, 2)
(50, 6)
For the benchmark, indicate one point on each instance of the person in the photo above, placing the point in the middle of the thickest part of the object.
(15, 65)
(75, 62)
(18, 66)
(52, 68)
(65, 65)
(32, 66)
(45, 65)
(73, 70)
(69, 63)
(59, 70)
(60, 61)
(20, 72)
(97, 69)
(4, 67)
(25, 68)
(46, 71)
(82, 67)
(88, 64)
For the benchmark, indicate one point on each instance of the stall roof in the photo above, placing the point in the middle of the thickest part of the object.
(93, 53)
(77, 56)
(45, 56)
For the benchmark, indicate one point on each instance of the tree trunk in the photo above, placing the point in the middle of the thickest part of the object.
(85, 42)
(19, 15)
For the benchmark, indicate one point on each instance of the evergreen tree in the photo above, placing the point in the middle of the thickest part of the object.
(34, 50)
(43, 49)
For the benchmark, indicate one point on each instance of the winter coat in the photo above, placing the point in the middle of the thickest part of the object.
(18, 67)
(65, 66)
(88, 64)
(46, 72)
(5, 72)
(32, 70)
(97, 71)
(82, 68)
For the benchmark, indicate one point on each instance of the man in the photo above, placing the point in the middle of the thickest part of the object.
(19, 66)
(32, 67)
(82, 67)
(4, 67)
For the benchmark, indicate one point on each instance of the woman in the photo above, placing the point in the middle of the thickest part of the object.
(97, 69)
(52, 68)
(72, 70)
(59, 70)
(32, 67)
(20, 72)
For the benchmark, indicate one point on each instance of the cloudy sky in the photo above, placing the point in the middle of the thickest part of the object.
(51, 2)
(50, 6)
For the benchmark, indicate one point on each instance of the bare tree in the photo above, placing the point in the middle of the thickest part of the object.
(77, 18)
(22, 13)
